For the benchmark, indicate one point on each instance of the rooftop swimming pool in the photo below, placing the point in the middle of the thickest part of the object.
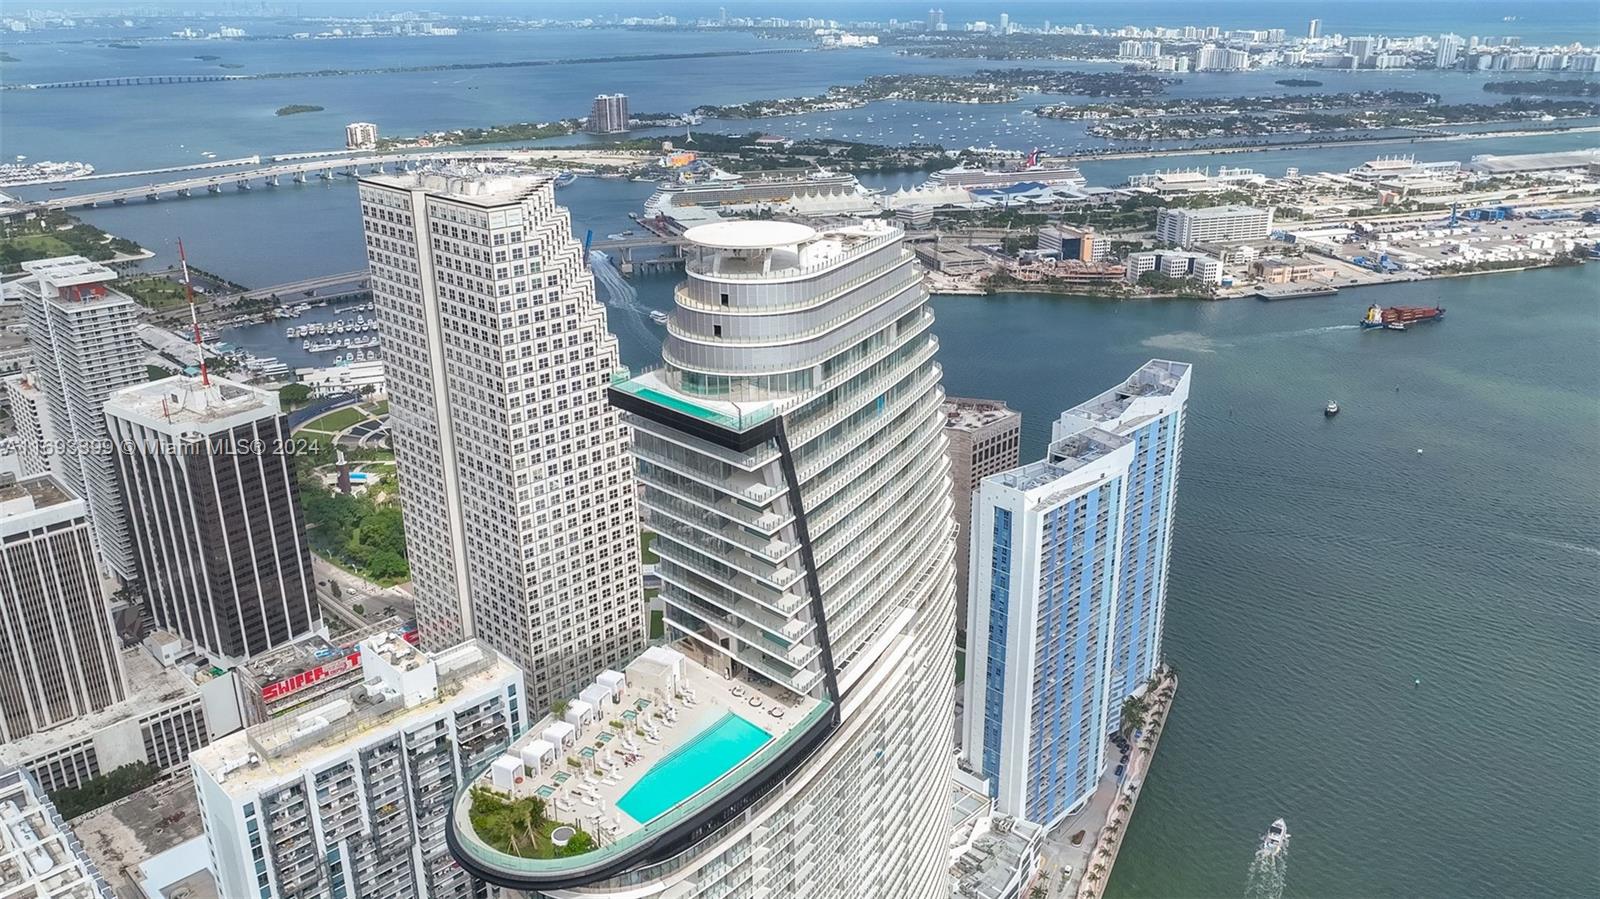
(693, 766)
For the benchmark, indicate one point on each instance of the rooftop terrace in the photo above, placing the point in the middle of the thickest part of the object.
(637, 754)
(970, 415)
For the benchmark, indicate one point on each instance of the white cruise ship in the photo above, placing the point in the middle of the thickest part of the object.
(975, 178)
(752, 188)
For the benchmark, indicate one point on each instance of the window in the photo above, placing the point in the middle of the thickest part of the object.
(724, 299)
(716, 330)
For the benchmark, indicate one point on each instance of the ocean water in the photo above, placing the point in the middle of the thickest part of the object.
(1319, 566)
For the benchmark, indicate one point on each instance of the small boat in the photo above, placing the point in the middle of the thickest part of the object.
(1277, 838)
(1331, 409)
(659, 317)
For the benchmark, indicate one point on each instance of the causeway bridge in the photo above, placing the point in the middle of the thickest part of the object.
(298, 171)
(125, 81)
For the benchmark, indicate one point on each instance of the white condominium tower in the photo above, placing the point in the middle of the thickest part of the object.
(796, 730)
(84, 347)
(1148, 408)
(515, 477)
(348, 798)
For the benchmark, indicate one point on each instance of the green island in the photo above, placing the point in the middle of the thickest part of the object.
(120, 45)
(1167, 106)
(1189, 128)
(520, 827)
(7, 57)
(982, 86)
(1553, 87)
(208, 57)
(494, 134)
(230, 65)
(297, 108)
(58, 234)
(1298, 82)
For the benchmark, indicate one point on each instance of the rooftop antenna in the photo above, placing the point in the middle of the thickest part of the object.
(194, 316)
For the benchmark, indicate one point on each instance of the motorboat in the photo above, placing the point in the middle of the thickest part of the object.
(1277, 838)
(1331, 409)
(659, 317)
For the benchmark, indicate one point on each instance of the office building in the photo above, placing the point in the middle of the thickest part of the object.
(61, 656)
(1069, 242)
(609, 114)
(85, 347)
(791, 453)
(214, 511)
(1213, 224)
(1173, 264)
(40, 856)
(1148, 408)
(1314, 31)
(350, 797)
(32, 427)
(360, 136)
(515, 476)
(1039, 629)
(983, 437)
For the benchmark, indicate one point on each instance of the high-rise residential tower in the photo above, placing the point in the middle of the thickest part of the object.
(60, 655)
(515, 477)
(609, 114)
(30, 414)
(983, 437)
(791, 453)
(214, 509)
(1314, 30)
(1149, 408)
(349, 797)
(1038, 705)
(84, 348)
(40, 856)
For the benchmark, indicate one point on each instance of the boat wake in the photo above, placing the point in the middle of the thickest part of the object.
(1268, 870)
(616, 292)
(1190, 341)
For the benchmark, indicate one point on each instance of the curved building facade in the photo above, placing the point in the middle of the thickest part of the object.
(791, 457)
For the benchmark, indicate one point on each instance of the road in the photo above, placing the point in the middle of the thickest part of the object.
(377, 603)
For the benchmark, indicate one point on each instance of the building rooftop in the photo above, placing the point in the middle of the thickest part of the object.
(630, 757)
(750, 235)
(39, 854)
(1155, 378)
(151, 687)
(1230, 209)
(30, 495)
(69, 271)
(470, 185)
(265, 754)
(181, 402)
(965, 414)
(1066, 456)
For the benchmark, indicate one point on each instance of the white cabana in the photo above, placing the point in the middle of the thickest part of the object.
(579, 713)
(560, 735)
(597, 695)
(538, 756)
(503, 773)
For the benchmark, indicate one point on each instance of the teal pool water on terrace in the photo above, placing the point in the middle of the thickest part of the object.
(692, 767)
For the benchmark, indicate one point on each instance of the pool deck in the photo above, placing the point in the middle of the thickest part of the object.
(588, 797)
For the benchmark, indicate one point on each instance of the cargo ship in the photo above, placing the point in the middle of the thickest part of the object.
(1398, 318)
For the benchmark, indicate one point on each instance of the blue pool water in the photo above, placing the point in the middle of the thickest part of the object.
(692, 767)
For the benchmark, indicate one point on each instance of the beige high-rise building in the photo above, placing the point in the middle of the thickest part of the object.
(984, 438)
(515, 475)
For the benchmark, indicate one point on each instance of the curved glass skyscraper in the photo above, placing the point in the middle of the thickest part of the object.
(793, 738)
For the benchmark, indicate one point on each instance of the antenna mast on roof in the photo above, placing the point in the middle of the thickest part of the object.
(194, 316)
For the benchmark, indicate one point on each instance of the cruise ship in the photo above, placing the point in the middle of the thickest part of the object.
(755, 187)
(973, 177)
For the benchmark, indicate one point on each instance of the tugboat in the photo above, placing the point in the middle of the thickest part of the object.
(1396, 318)
(1276, 840)
(1331, 409)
